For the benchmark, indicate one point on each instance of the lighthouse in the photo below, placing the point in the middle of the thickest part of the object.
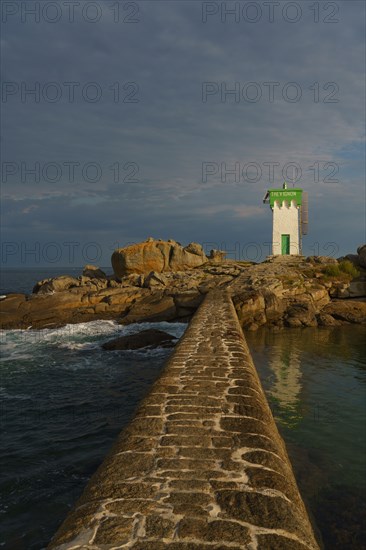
(290, 219)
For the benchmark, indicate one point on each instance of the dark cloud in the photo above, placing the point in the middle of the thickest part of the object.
(169, 133)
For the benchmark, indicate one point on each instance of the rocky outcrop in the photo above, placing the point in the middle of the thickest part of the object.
(359, 259)
(350, 311)
(150, 338)
(326, 320)
(250, 308)
(300, 313)
(60, 300)
(152, 308)
(64, 282)
(158, 256)
(288, 291)
(93, 271)
(154, 280)
(75, 305)
(217, 256)
(326, 260)
(353, 289)
(12, 308)
(279, 294)
(55, 284)
(361, 251)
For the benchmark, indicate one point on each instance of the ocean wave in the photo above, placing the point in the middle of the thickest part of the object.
(17, 357)
(76, 346)
(80, 336)
(5, 395)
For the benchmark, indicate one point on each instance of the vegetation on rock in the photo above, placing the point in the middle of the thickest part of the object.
(344, 270)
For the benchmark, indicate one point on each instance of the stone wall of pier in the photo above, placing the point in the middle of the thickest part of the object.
(202, 465)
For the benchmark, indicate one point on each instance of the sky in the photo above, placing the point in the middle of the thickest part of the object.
(171, 119)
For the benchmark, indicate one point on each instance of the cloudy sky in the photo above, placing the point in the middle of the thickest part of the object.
(123, 120)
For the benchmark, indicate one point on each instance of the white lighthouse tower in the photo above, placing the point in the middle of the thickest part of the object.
(290, 219)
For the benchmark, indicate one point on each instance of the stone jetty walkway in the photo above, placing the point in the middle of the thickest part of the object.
(202, 465)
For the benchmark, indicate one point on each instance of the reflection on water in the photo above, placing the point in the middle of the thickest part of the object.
(286, 367)
(285, 390)
(315, 382)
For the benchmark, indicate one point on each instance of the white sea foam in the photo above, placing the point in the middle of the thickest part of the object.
(80, 336)
(78, 345)
(80, 332)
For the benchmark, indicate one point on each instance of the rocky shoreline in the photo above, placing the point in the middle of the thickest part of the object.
(163, 281)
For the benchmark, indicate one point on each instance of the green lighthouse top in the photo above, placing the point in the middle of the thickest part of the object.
(283, 194)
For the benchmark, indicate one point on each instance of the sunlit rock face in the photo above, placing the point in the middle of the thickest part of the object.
(158, 256)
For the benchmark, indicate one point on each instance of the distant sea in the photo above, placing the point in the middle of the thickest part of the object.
(64, 400)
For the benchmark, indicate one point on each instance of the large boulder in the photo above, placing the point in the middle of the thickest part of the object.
(300, 313)
(353, 289)
(361, 251)
(353, 258)
(93, 271)
(217, 256)
(351, 311)
(326, 320)
(158, 256)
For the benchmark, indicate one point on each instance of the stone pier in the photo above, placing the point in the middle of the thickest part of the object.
(202, 465)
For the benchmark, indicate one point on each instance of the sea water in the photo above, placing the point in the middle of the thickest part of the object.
(315, 380)
(64, 400)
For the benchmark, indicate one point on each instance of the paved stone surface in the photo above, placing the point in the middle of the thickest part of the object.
(202, 465)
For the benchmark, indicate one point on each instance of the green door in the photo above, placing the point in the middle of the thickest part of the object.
(285, 244)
